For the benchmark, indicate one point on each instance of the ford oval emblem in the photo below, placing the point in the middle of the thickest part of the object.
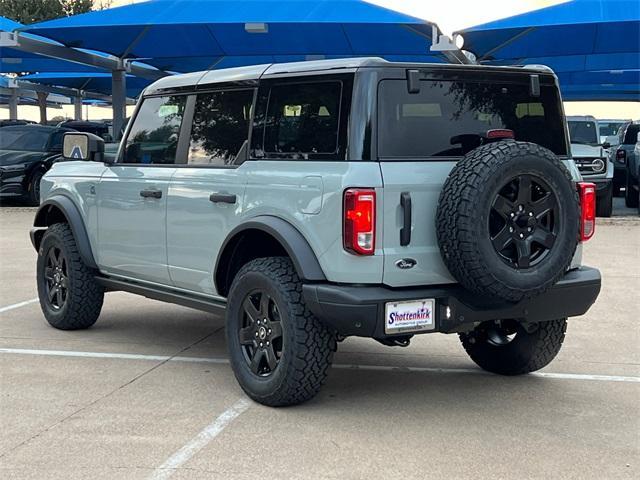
(406, 263)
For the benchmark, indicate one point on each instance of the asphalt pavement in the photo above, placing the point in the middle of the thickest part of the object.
(148, 393)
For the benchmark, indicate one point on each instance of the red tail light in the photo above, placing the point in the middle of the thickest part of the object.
(359, 231)
(587, 193)
(500, 133)
(621, 156)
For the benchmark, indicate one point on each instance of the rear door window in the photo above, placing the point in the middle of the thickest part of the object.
(220, 127)
(303, 120)
(451, 118)
(631, 134)
(153, 138)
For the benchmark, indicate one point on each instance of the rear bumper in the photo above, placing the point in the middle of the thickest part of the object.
(359, 310)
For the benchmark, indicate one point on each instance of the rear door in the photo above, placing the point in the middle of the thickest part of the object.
(420, 137)
(206, 195)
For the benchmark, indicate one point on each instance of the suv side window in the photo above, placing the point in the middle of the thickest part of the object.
(220, 129)
(631, 134)
(302, 120)
(153, 138)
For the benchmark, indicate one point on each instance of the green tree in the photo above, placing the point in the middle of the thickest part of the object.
(32, 11)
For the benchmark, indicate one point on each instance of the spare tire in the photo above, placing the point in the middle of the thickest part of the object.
(508, 220)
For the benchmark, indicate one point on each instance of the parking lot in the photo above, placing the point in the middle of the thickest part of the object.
(148, 393)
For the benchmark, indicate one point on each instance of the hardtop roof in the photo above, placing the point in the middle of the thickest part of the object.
(345, 65)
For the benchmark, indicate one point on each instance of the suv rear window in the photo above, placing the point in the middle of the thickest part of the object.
(451, 118)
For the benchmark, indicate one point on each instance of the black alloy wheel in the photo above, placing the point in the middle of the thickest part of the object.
(261, 333)
(56, 278)
(523, 222)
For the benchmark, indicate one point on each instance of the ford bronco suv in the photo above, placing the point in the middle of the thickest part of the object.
(313, 201)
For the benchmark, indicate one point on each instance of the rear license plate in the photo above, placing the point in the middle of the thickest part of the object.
(411, 316)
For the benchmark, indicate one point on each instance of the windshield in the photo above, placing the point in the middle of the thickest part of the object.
(451, 118)
(24, 139)
(608, 129)
(583, 132)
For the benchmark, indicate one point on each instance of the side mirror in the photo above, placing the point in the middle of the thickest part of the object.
(606, 145)
(83, 146)
(638, 138)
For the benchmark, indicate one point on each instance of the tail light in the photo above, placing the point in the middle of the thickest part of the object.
(587, 193)
(500, 133)
(359, 221)
(621, 156)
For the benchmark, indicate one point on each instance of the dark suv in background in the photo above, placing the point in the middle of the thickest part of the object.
(627, 162)
(26, 153)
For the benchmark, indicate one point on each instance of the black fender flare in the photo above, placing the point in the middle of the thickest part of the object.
(302, 255)
(75, 221)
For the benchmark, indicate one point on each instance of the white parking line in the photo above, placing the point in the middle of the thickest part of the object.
(18, 305)
(200, 441)
(384, 368)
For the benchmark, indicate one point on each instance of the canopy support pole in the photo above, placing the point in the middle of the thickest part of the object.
(119, 96)
(77, 107)
(13, 104)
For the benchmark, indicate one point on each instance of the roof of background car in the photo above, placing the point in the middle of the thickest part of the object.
(255, 72)
(31, 127)
(581, 118)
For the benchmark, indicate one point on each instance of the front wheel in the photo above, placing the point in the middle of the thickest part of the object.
(631, 199)
(506, 347)
(70, 297)
(280, 352)
(32, 195)
(604, 204)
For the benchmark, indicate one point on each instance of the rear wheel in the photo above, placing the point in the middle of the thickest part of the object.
(506, 347)
(280, 352)
(70, 297)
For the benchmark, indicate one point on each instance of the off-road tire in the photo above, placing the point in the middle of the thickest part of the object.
(84, 296)
(462, 220)
(308, 345)
(526, 353)
(32, 196)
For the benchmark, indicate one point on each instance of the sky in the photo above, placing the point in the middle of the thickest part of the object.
(450, 15)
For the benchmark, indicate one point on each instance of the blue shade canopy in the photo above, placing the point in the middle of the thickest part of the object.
(577, 27)
(13, 60)
(89, 82)
(188, 35)
(593, 46)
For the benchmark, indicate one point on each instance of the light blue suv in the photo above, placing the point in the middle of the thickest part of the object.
(313, 201)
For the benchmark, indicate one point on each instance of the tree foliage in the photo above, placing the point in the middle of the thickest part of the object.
(32, 11)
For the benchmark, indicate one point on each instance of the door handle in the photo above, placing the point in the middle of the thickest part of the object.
(151, 193)
(405, 231)
(222, 198)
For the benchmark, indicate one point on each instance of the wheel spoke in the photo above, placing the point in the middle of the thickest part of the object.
(51, 258)
(272, 361)
(276, 329)
(264, 305)
(63, 281)
(502, 239)
(524, 253)
(544, 238)
(48, 273)
(543, 206)
(250, 309)
(59, 299)
(503, 206)
(246, 336)
(256, 361)
(52, 292)
(524, 189)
